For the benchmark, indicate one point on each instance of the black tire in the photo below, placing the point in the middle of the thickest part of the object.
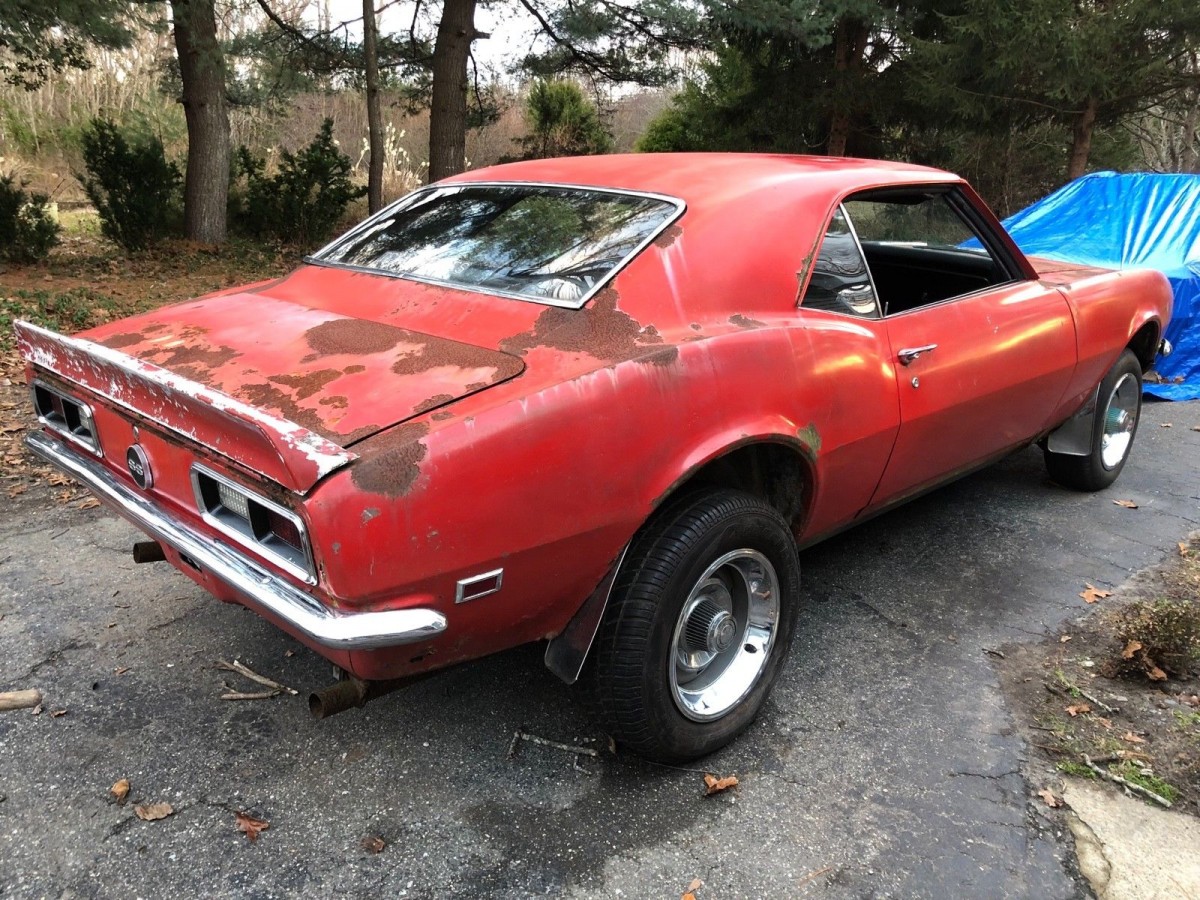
(1091, 472)
(633, 667)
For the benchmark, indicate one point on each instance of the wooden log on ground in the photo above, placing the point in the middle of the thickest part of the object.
(19, 699)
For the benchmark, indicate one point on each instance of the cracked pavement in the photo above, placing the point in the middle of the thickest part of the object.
(885, 763)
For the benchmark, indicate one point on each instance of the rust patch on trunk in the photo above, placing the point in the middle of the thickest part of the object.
(307, 385)
(272, 399)
(435, 400)
(353, 370)
(395, 468)
(336, 401)
(599, 329)
(437, 352)
(663, 357)
(442, 416)
(117, 341)
(668, 236)
(353, 336)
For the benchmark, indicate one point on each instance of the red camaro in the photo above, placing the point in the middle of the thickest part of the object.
(598, 402)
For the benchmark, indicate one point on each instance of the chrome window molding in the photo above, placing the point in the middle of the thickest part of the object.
(679, 206)
(85, 414)
(306, 572)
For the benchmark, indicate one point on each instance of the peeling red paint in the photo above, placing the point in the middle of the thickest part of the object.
(117, 341)
(393, 468)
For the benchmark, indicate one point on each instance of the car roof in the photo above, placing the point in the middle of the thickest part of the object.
(712, 177)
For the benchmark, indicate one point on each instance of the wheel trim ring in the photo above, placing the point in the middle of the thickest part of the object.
(1120, 420)
(725, 680)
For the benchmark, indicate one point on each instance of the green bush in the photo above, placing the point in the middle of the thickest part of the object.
(303, 201)
(132, 184)
(27, 229)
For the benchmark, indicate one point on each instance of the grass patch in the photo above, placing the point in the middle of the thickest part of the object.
(1135, 775)
(1076, 769)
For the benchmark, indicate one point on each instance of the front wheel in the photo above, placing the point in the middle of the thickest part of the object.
(700, 620)
(1119, 406)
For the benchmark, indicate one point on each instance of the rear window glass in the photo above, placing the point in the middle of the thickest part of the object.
(549, 244)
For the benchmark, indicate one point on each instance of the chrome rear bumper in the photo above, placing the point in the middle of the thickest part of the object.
(268, 592)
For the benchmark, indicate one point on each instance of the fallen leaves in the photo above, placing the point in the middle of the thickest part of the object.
(152, 812)
(690, 893)
(88, 503)
(715, 785)
(1076, 709)
(373, 843)
(1127, 504)
(1051, 801)
(1132, 738)
(120, 791)
(1156, 674)
(1064, 638)
(1091, 593)
(1130, 649)
(251, 826)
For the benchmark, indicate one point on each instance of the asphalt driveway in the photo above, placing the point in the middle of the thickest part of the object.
(885, 764)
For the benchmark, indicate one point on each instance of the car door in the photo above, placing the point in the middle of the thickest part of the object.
(982, 355)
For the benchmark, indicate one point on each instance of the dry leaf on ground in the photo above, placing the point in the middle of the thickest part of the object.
(1183, 548)
(1091, 593)
(1156, 674)
(152, 812)
(57, 713)
(1064, 638)
(373, 843)
(1048, 795)
(120, 790)
(1128, 504)
(715, 785)
(1131, 648)
(251, 826)
(1076, 709)
(89, 503)
(1132, 738)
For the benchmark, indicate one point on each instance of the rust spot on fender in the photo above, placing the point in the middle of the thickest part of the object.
(810, 438)
(435, 400)
(306, 385)
(745, 321)
(668, 236)
(664, 357)
(599, 329)
(352, 336)
(394, 469)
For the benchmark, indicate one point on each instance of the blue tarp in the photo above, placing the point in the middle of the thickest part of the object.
(1130, 221)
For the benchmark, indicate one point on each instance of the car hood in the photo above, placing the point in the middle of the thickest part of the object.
(341, 377)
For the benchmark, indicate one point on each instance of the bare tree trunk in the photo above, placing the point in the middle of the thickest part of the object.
(849, 46)
(448, 108)
(202, 70)
(374, 117)
(1081, 140)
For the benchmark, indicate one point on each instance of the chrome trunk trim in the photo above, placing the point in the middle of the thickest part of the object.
(267, 592)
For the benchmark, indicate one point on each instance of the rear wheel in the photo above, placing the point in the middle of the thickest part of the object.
(1119, 408)
(700, 620)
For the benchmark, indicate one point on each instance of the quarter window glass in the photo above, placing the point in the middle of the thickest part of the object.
(920, 249)
(839, 281)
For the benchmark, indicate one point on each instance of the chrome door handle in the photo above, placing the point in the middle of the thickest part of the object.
(908, 354)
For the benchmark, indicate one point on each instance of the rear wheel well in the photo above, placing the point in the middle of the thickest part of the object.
(1144, 344)
(776, 472)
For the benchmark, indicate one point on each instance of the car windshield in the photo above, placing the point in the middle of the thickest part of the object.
(553, 245)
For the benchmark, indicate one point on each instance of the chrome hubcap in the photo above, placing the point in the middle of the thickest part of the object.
(1120, 420)
(724, 635)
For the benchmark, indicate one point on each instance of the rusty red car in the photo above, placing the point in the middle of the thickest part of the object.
(596, 402)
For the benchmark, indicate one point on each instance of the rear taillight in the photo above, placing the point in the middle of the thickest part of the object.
(256, 522)
(67, 416)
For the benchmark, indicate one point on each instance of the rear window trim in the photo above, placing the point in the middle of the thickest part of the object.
(680, 207)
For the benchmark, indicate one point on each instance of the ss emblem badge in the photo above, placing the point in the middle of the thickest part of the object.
(139, 467)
